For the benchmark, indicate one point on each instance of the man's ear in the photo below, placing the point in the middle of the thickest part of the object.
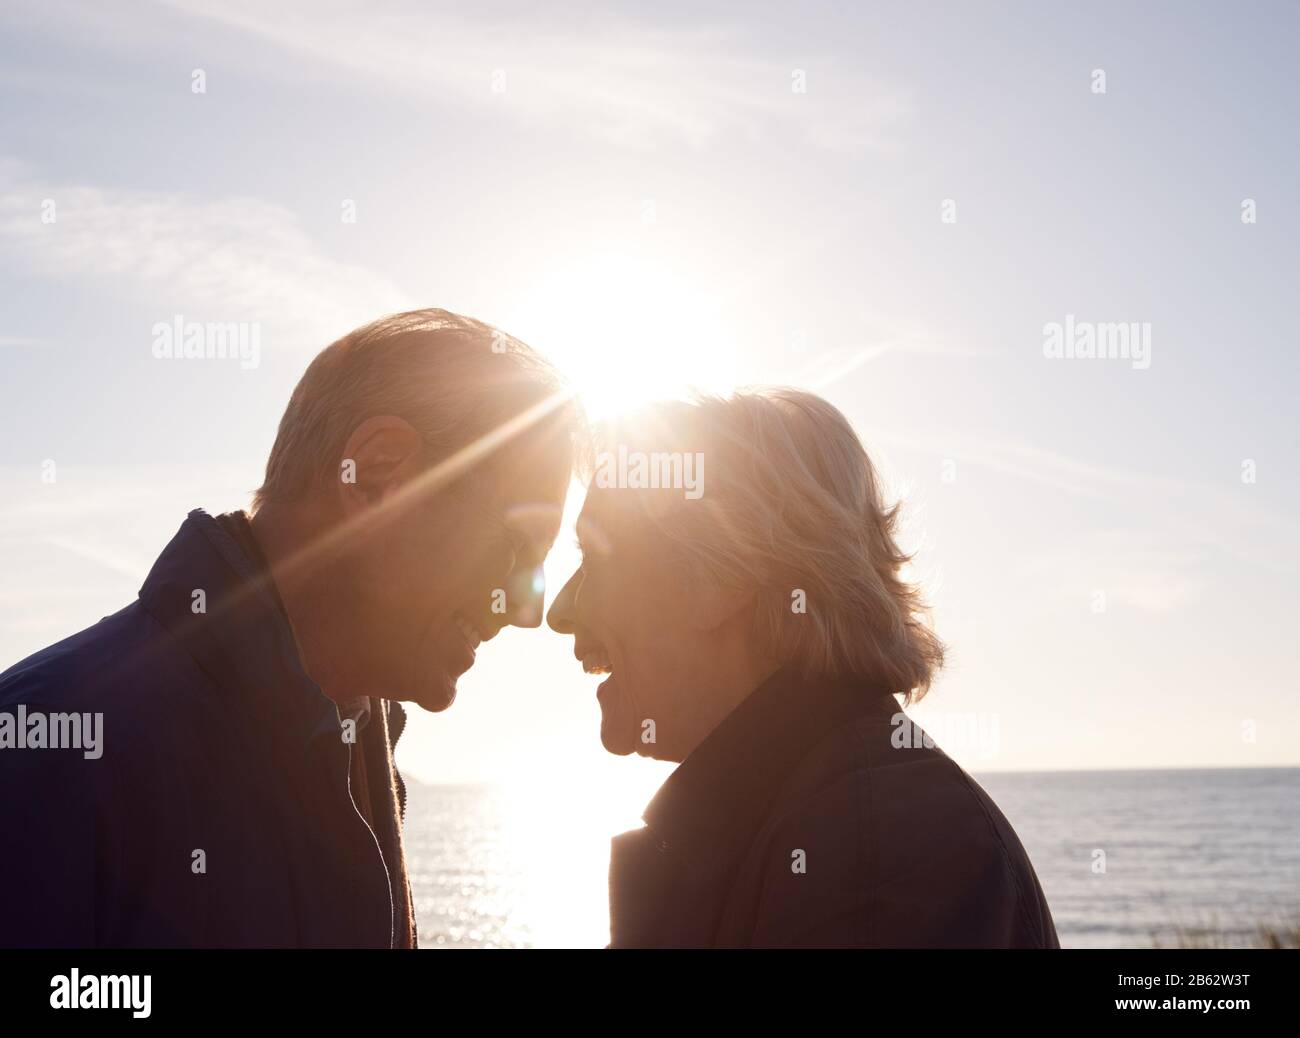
(381, 455)
(711, 606)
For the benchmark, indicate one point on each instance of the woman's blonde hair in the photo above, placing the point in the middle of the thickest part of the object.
(791, 503)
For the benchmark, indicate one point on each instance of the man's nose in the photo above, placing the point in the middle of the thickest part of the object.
(562, 617)
(525, 597)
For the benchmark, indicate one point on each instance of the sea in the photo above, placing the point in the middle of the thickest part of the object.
(1127, 859)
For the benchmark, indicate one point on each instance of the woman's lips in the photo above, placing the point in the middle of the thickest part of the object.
(597, 661)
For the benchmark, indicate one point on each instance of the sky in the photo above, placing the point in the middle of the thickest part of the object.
(888, 204)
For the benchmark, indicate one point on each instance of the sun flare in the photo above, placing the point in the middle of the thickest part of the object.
(627, 330)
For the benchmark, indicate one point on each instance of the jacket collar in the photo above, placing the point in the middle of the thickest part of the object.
(709, 807)
(241, 638)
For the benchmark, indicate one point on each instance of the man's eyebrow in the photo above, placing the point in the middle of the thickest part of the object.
(528, 541)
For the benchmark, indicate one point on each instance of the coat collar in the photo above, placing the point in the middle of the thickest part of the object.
(707, 810)
(242, 641)
(241, 638)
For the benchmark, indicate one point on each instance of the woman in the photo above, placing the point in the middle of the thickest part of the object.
(755, 628)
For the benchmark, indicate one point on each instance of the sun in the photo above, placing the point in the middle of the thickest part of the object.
(626, 330)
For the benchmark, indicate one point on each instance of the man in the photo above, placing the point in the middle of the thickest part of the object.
(752, 618)
(244, 791)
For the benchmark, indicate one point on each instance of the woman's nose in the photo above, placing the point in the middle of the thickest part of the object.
(562, 617)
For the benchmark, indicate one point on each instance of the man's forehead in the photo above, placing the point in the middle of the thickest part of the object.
(532, 504)
(535, 483)
(537, 520)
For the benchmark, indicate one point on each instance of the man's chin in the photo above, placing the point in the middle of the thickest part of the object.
(438, 693)
(438, 696)
(433, 675)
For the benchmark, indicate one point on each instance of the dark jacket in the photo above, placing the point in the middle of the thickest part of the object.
(214, 741)
(798, 823)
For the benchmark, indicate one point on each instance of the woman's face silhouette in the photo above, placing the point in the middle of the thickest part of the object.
(632, 609)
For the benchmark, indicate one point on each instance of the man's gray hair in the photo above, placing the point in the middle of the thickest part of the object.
(458, 381)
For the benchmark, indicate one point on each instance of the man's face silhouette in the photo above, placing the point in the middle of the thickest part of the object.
(436, 573)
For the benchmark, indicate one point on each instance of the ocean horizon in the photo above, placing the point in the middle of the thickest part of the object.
(1127, 858)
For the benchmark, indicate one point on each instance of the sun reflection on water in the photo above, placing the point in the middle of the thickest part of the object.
(526, 863)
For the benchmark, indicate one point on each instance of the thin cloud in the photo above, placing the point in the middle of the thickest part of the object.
(1182, 521)
(1138, 570)
(99, 554)
(627, 81)
(830, 367)
(230, 259)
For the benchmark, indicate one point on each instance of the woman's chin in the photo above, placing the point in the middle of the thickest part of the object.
(617, 743)
(618, 733)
